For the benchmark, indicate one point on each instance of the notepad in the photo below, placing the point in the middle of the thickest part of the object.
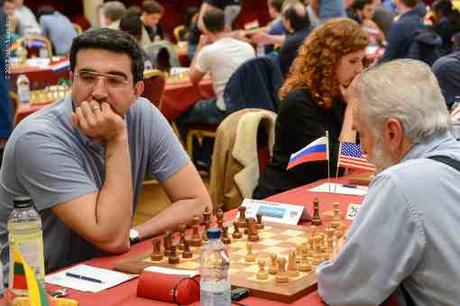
(88, 278)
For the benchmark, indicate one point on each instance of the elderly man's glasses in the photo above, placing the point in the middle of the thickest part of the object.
(89, 78)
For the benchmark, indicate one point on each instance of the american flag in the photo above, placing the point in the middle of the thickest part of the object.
(351, 156)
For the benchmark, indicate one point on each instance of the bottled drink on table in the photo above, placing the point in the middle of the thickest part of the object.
(25, 234)
(215, 284)
(23, 87)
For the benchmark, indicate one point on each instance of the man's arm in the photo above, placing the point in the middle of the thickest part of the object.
(382, 247)
(189, 197)
(195, 73)
(103, 218)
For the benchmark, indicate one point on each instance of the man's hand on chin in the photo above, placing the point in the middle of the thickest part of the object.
(99, 122)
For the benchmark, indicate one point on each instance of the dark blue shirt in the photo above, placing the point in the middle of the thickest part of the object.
(288, 51)
(401, 35)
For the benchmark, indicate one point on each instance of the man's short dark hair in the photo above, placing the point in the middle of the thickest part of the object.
(297, 15)
(152, 7)
(110, 40)
(115, 10)
(132, 25)
(214, 20)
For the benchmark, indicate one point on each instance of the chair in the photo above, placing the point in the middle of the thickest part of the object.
(77, 28)
(242, 149)
(177, 31)
(15, 101)
(198, 131)
(162, 54)
(34, 41)
(254, 84)
(154, 81)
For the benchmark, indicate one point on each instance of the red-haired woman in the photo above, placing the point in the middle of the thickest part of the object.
(328, 61)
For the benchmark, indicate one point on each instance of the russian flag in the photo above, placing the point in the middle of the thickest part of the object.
(60, 66)
(315, 151)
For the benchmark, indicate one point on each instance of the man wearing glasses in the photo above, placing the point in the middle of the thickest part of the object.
(83, 159)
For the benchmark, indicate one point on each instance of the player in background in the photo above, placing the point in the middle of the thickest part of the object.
(405, 236)
(83, 159)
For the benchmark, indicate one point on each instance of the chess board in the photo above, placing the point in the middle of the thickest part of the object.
(274, 239)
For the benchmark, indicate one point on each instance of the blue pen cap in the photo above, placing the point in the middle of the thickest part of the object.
(213, 233)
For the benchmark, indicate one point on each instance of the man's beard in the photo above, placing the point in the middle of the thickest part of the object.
(379, 159)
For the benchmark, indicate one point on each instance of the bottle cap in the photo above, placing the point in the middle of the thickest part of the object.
(213, 233)
(22, 202)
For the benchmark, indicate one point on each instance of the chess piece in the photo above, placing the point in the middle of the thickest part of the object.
(167, 242)
(220, 218)
(260, 225)
(316, 220)
(196, 238)
(173, 258)
(292, 269)
(204, 236)
(249, 257)
(252, 230)
(181, 229)
(304, 264)
(261, 274)
(236, 232)
(273, 264)
(336, 218)
(187, 253)
(207, 215)
(281, 276)
(225, 238)
(242, 218)
(157, 254)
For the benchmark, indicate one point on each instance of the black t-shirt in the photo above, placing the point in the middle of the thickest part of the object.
(222, 3)
(300, 121)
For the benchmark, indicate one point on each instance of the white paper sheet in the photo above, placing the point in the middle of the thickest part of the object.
(107, 277)
(340, 189)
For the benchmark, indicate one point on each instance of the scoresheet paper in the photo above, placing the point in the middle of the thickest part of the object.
(104, 278)
(341, 189)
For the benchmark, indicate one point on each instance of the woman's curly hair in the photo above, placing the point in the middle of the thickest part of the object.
(316, 64)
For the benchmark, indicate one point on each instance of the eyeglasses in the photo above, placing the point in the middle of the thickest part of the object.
(89, 78)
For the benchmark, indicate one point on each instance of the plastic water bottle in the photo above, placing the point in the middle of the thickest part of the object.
(260, 50)
(215, 284)
(25, 234)
(23, 86)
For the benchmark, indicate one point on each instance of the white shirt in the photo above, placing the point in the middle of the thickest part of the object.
(222, 58)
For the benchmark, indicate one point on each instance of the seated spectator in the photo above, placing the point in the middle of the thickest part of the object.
(402, 33)
(112, 12)
(447, 71)
(221, 55)
(27, 23)
(276, 25)
(132, 24)
(297, 24)
(312, 104)
(190, 19)
(404, 239)
(362, 11)
(152, 12)
(57, 28)
(83, 159)
(446, 21)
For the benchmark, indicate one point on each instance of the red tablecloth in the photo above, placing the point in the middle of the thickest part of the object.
(125, 294)
(180, 96)
(38, 77)
(177, 98)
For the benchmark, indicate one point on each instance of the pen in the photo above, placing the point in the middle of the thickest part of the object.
(86, 278)
(349, 186)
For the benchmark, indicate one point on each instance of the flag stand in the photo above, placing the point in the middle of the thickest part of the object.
(328, 162)
(337, 170)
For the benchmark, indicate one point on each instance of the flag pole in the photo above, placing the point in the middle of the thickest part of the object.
(337, 170)
(328, 161)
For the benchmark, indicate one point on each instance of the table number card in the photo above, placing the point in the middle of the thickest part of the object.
(352, 211)
(274, 212)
